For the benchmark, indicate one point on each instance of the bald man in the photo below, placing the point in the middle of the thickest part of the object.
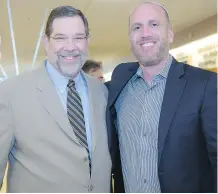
(162, 113)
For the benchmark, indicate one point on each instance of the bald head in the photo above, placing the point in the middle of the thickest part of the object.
(152, 4)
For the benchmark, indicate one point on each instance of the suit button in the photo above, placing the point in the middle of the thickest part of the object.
(91, 187)
(161, 173)
(86, 159)
(113, 112)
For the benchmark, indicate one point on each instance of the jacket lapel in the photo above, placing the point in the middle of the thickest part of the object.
(92, 101)
(173, 91)
(118, 82)
(52, 104)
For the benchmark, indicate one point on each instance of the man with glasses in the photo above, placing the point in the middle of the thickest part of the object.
(53, 119)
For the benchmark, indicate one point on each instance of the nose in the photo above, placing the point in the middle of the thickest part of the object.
(70, 45)
(146, 31)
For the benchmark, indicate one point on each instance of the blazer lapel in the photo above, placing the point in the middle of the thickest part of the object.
(93, 120)
(173, 91)
(118, 81)
(52, 104)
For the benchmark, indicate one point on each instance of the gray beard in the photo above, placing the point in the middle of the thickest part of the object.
(79, 65)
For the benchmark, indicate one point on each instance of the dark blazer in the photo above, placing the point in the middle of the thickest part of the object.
(114, 151)
(187, 137)
(107, 84)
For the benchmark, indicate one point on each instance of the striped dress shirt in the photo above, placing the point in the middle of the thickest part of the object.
(138, 110)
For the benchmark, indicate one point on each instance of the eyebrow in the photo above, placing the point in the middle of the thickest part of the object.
(77, 34)
(59, 34)
(150, 21)
(80, 33)
(157, 21)
(135, 24)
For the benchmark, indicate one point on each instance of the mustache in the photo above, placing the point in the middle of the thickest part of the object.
(69, 53)
(146, 39)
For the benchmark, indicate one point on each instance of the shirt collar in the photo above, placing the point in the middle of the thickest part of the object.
(61, 81)
(163, 73)
(166, 69)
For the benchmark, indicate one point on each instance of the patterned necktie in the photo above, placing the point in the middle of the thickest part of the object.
(76, 116)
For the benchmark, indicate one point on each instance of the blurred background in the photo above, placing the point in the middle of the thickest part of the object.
(22, 25)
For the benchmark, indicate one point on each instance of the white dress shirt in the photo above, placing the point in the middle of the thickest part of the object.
(60, 82)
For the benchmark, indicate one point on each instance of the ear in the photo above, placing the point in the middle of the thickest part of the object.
(170, 35)
(45, 40)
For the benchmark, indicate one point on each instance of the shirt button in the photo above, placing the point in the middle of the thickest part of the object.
(91, 187)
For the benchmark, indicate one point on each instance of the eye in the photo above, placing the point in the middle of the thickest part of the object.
(136, 28)
(80, 38)
(155, 24)
(60, 38)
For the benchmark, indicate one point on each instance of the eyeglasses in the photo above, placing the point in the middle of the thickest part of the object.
(65, 39)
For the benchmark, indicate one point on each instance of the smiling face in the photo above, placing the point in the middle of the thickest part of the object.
(150, 34)
(67, 46)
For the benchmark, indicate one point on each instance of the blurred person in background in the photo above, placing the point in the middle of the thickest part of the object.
(52, 120)
(94, 68)
(164, 114)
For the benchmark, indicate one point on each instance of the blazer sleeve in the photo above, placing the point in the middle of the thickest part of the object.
(6, 133)
(209, 122)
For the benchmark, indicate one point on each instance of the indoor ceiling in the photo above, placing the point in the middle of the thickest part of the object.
(108, 20)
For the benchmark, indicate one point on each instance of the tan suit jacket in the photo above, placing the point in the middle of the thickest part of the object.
(44, 153)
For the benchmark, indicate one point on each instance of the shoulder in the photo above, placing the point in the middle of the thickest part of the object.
(125, 66)
(97, 86)
(197, 79)
(198, 71)
(198, 74)
(24, 80)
